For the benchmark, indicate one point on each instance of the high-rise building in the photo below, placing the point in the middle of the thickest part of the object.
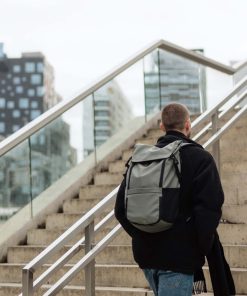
(110, 112)
(26, 90)
(171, 78)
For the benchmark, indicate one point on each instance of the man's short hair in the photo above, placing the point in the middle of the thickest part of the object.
(174, 116)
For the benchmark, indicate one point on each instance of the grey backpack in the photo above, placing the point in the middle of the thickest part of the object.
(153, 186)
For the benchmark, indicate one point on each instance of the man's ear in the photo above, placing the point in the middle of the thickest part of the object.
(162, 127)
(187, 124)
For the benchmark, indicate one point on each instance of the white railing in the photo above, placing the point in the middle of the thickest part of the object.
(211, 122)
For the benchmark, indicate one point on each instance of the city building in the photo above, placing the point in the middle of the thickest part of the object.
(171, 78)
(26, 89)
(104, 114)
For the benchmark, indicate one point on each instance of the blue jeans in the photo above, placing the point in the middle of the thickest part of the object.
(169, 283)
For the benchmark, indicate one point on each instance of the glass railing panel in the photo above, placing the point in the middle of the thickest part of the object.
(218, 86)
(15, 182)
(152, 82)
(58, 147)
(88, 139)
(118, 103)
(137, 93)
(182, 81)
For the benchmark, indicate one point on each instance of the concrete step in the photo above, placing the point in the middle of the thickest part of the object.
(233, 234)
(148, 140)
(155, 133)
(235, 213)
(114, 276)
(105, 275)
(236, 255)
(234, 167)
(117, 166)
(94, 191)
(47, 236)
(65, 220)
(235, 195)
(111, 255)
(228, 155)
(78, 206)
(127, 154)
(108, 178)
(13, 289)
(234, 179)
(239, 277)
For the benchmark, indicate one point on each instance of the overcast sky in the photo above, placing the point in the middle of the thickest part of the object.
(83, 39)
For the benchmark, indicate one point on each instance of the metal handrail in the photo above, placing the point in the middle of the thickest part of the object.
(71, 232)
(225, 127)
(208, 113)
(70, 253)
(204, 130)
(44, 119)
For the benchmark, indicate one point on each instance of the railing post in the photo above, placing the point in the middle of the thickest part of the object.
(90, 268)
(27, 282)
(216, 145)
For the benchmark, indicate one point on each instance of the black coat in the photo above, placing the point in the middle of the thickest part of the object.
(183, 247)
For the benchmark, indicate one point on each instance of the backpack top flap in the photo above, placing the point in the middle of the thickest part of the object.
(144, 152)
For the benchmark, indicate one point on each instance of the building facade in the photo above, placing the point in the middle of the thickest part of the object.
(26, 90)
(104, 115)
(170, 78)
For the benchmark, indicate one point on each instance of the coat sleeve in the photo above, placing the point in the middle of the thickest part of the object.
(120, 211)
(208, 198)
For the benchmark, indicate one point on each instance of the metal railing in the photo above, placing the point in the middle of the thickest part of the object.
(211, 121)
(47, 117)
(33, 152)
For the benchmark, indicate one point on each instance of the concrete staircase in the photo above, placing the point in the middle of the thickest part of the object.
(116, 272)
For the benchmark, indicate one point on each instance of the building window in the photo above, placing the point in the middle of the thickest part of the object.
(10, 104)
(16, 113)
(101, 113)
(29, 67)
(9, 87)
(34, 105)
(23, 103)
(19, 89)
(31, 92)
(102, 103)
(40, 91)
(24, 79)
(35, 79)
(34, 114)
(16, 68)
(40, 67)
(2, 102)
(9, 76)
(3, 81)
(15, 127)
(16, 80)
(3, 91)
(2, 127)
